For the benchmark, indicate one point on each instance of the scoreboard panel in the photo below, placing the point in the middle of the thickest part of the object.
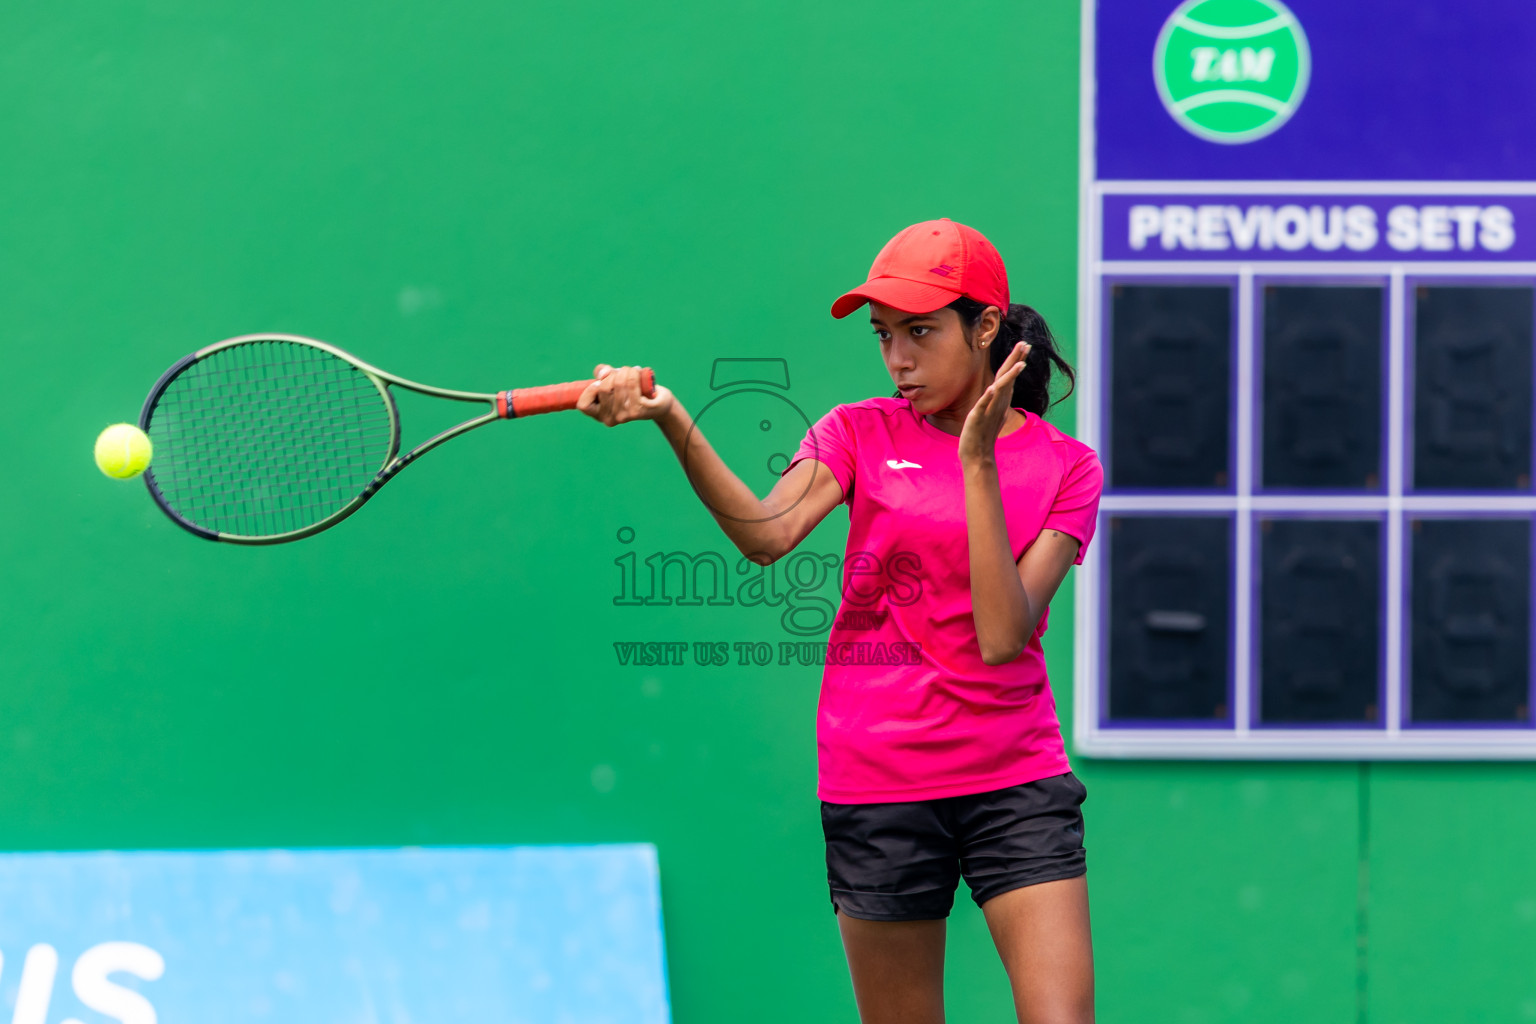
(1306, 355)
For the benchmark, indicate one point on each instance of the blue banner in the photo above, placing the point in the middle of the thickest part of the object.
(417, 936)
(1420, 90)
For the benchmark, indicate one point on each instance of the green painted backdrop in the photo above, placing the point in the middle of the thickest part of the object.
(480, 194)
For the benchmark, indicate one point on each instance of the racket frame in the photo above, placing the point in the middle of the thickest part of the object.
(393, 463)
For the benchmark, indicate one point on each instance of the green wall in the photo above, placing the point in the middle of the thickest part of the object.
(484, 194)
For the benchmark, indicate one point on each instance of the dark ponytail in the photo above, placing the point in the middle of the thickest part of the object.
(1032, 387)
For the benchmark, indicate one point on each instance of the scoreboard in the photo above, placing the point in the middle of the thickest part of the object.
(1307, 278)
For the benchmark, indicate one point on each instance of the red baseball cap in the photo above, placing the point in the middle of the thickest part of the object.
(929, 265)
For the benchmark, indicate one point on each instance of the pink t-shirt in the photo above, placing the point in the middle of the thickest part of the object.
(909, 711)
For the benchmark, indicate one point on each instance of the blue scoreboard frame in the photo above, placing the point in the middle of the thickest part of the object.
(1306, 361)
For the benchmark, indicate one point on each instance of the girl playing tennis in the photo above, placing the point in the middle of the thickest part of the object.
(965, 512)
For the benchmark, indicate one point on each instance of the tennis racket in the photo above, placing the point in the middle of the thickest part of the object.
(267, 438)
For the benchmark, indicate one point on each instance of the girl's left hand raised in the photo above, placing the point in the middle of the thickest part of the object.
(985, 420)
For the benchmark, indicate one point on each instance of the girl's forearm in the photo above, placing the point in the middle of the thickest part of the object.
(730, 501)
(999, 602)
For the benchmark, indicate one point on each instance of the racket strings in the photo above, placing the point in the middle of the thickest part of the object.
(268, 437)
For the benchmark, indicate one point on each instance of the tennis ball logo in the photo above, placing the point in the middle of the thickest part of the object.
(1231, 70)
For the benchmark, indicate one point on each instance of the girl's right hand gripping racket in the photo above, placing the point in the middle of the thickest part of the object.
(268, 438)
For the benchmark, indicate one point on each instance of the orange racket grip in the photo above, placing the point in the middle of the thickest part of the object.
(556, 397)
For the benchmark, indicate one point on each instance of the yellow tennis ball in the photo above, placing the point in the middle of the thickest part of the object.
(123, 451)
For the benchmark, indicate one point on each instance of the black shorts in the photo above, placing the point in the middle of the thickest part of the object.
(903, 861)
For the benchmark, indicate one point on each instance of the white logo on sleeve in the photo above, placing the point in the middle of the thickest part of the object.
(900, 464)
